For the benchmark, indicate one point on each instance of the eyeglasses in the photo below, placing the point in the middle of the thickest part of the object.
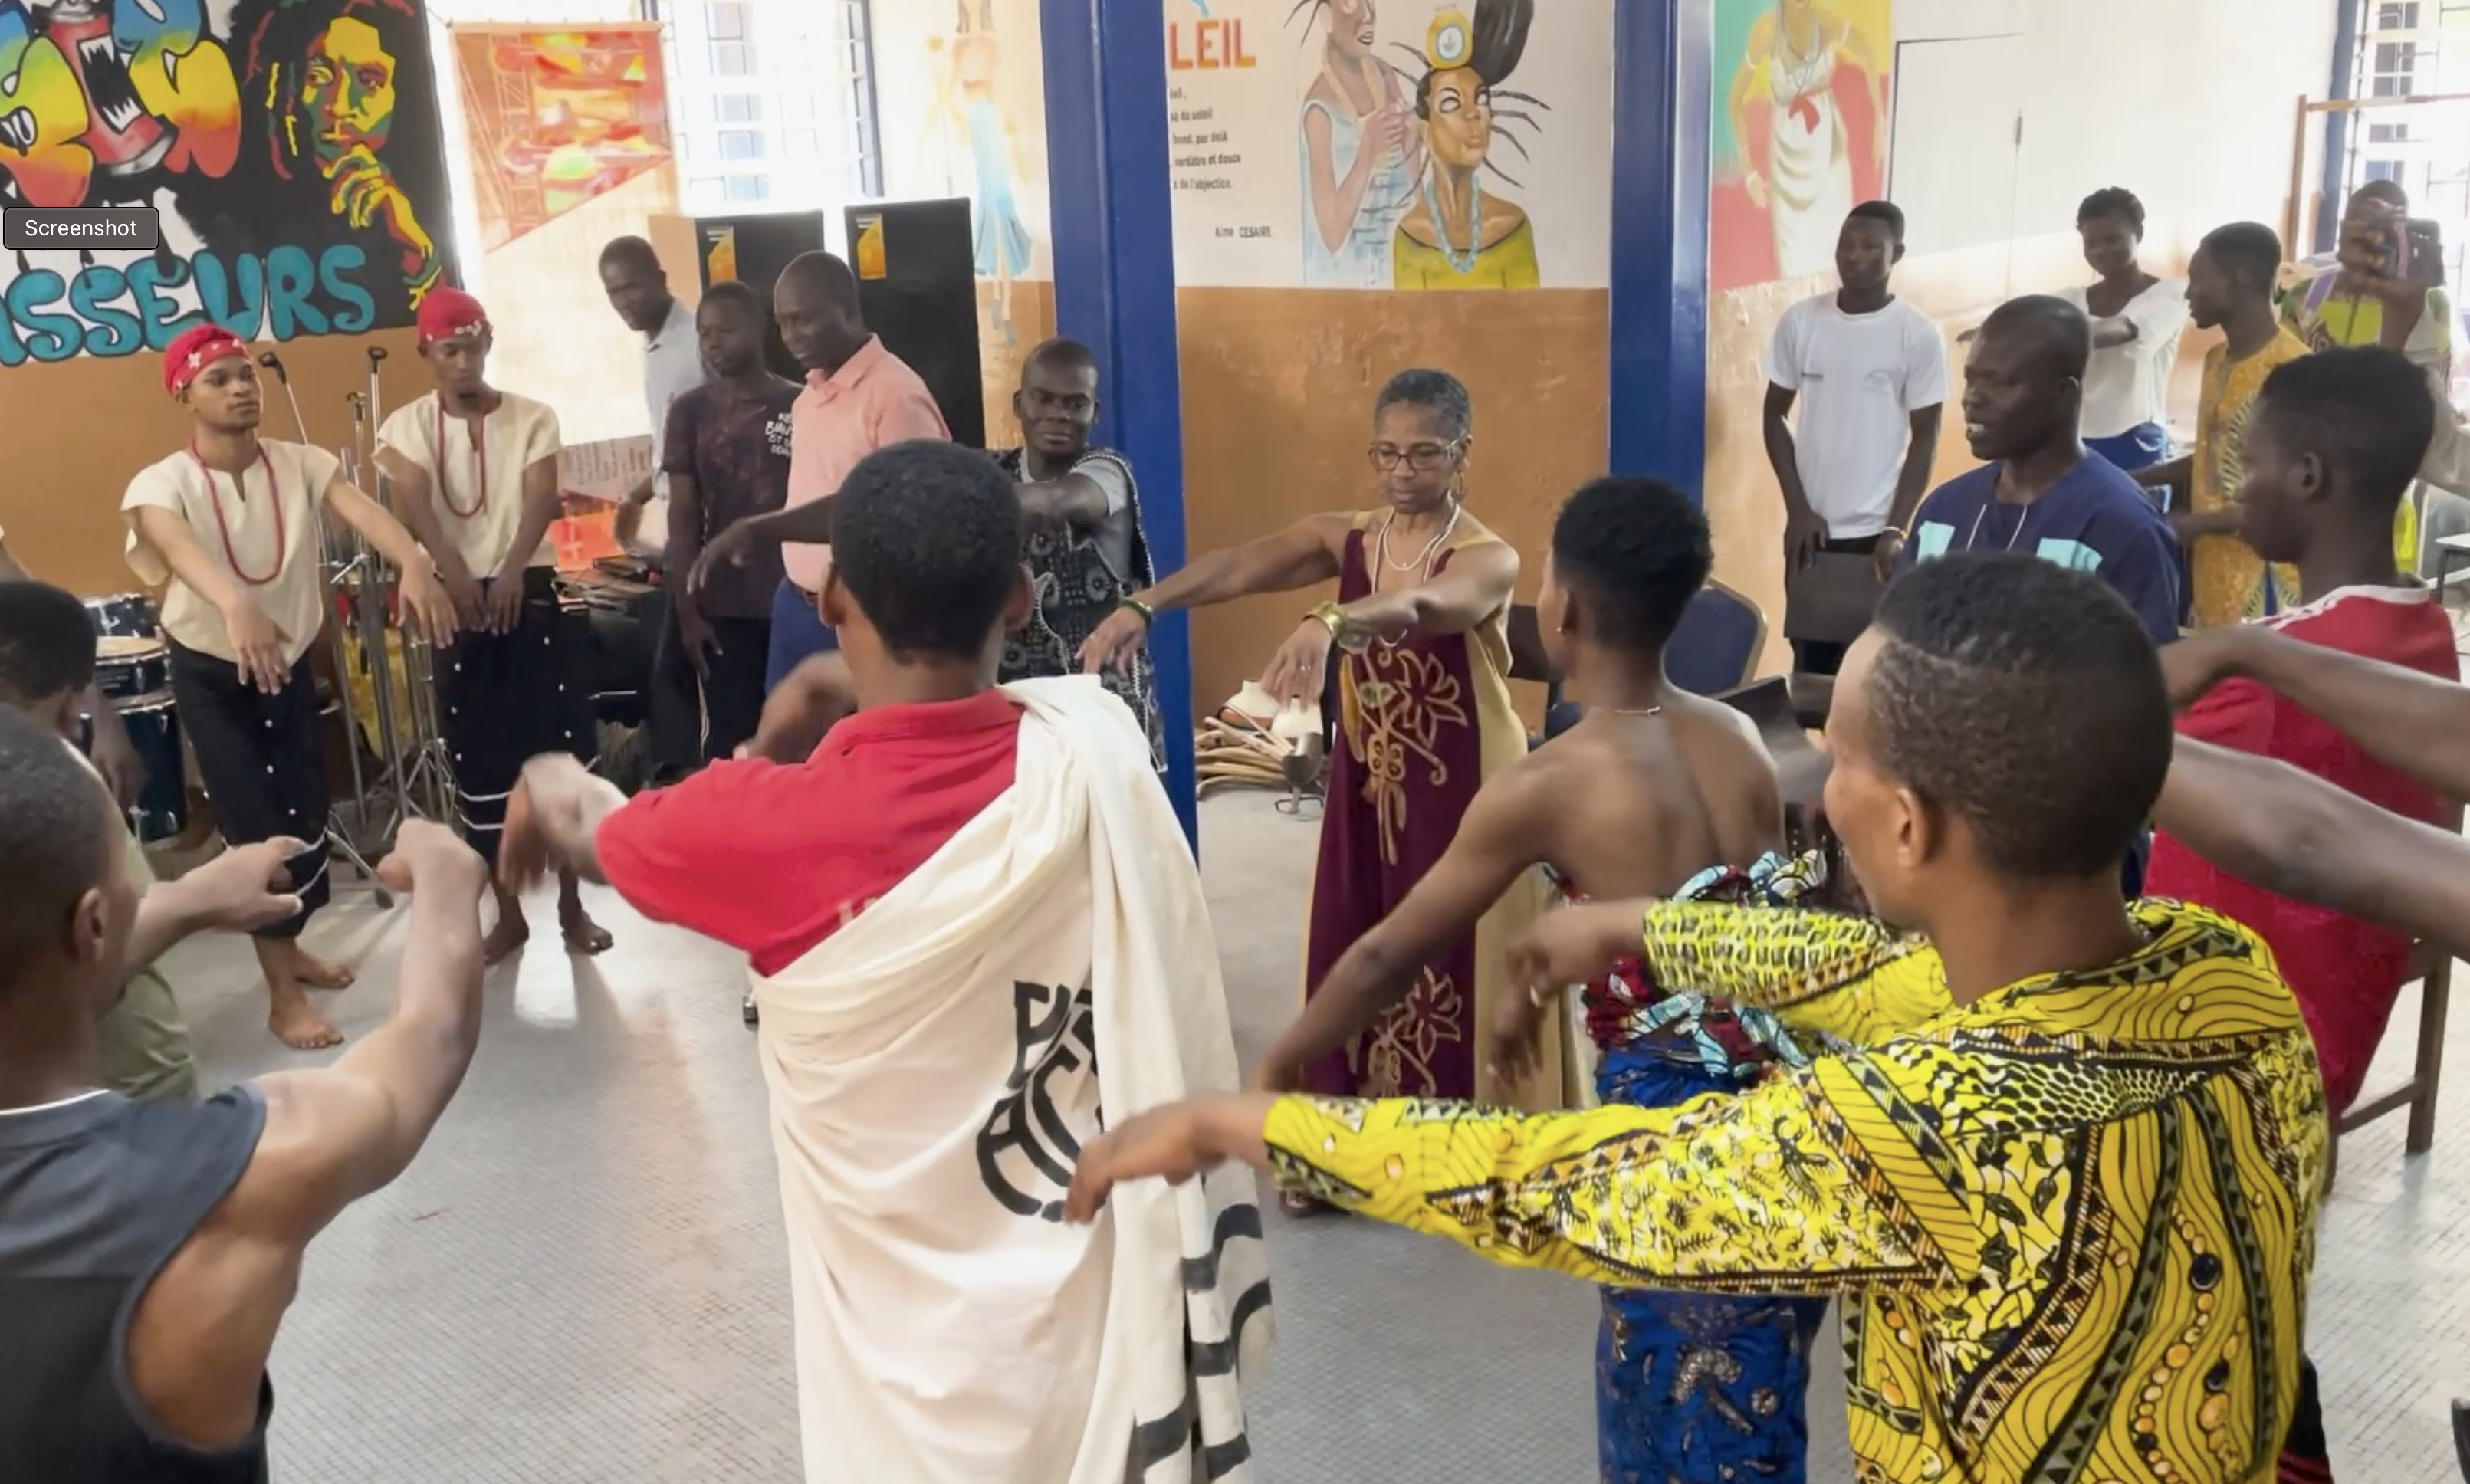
(1423, 457)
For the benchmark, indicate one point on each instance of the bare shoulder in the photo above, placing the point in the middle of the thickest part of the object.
(1729, 734)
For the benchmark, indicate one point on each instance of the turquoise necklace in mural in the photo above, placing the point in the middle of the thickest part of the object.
(1463, 261)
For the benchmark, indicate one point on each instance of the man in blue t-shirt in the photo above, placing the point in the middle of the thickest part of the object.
(2038, 491)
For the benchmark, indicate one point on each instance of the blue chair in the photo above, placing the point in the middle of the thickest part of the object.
(1716, 647)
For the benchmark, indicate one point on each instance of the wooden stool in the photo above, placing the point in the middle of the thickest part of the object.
(2433, 968)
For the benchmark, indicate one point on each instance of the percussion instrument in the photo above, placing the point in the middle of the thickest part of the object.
(122, 615)
(153, 726)
(127, 667)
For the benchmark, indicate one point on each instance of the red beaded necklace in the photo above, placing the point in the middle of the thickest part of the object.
(240, 489)
(479, 460)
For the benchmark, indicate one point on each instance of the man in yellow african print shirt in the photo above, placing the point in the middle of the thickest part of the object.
(2230, 288)
(2063, 1162)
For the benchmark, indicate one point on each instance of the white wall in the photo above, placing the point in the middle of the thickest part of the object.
(2189, 103)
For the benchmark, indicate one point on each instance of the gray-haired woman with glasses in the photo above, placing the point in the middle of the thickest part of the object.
(1421, 626)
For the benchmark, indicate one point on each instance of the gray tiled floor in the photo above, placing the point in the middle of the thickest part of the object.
(581, 1278)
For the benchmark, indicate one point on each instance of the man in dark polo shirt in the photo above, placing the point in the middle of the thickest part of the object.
(149, 1250)
(726, 455)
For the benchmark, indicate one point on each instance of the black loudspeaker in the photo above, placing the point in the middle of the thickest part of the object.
(752, 250)
(917, 276)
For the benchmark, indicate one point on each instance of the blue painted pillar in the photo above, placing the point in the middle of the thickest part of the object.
(1114, 286)
(2337, 135)
(1663, 118)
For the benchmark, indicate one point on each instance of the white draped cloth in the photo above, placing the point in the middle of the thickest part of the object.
(935, 1066)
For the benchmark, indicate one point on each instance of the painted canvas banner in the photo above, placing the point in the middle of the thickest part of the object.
(556, 117)
(290, 147)
(1800, 132)
(1390, 144)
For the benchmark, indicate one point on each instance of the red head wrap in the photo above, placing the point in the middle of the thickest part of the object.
(195, 349)
(446, 312)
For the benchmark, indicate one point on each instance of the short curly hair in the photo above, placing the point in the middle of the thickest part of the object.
(2025, 699)
(2112, 201)
(926, 538)
(1634, 552)
(1437, 392)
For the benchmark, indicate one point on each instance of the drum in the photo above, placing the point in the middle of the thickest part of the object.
(123, 615)
(128, 668)
(153, 725)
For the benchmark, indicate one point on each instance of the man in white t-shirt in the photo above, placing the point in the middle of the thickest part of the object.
(1868, 372)
(475, 474)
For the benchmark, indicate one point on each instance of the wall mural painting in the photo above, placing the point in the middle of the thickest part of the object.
(296, 198)
(971, 132)
(557, 117)
(1800, 132)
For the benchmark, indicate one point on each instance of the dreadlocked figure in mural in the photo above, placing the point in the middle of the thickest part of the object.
(1456, 236)
(1362, 151)
(328, 73)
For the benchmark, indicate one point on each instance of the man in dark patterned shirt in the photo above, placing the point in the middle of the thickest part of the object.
(727, 456)
(1084, 544)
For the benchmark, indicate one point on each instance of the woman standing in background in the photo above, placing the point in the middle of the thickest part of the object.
(2137, 320)
(1421, 624)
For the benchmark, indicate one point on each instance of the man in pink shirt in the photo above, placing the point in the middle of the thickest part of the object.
(859, 398)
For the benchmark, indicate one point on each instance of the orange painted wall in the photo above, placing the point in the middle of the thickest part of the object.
(1278, 409)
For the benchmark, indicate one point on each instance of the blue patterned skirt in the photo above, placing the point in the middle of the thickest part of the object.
(1697, 1386)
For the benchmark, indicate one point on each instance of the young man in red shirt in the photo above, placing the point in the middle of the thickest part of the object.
(973, 922)
(2335, 441)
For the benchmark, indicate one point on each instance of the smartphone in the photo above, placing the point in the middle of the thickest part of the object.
(2415, 252)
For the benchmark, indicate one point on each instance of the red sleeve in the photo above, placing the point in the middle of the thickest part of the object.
(2237, 714)
(741, 852)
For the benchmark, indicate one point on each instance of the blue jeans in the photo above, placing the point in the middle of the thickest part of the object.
(798, 634)
(2137, 448)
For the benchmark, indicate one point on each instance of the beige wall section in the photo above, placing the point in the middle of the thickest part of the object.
(1278, 411)
(1033, 321)
(78, 430)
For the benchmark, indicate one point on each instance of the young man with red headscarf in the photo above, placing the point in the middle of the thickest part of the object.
(475, 474)
(230, 524)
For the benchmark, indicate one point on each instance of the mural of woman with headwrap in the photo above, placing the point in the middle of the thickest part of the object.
(342, 117)
(1455, 236)
(1362, 152)
(1818, 145)
(965, 98)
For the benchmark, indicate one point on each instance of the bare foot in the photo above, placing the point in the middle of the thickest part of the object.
(583, 936)
(316, 973)
(510, 934)
(298, 1026)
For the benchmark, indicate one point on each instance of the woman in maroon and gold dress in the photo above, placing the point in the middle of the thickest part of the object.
(1422, 619)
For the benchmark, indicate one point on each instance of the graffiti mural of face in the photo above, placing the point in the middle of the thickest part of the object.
(1462, 122)
(347, 90)
(43, 112)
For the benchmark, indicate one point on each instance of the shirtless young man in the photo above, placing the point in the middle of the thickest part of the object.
(1654, 787)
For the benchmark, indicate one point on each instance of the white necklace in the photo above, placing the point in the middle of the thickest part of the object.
(1423, 562)
(1972, 541)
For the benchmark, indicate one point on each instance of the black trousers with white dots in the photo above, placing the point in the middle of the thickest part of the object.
(259, 759)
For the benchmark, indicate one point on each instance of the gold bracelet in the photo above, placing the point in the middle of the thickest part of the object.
(1332, 617)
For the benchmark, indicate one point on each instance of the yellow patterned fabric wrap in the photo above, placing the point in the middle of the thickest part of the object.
(2073, 1221)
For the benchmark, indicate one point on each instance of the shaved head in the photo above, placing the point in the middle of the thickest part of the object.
(2050, 327)
(824, 276)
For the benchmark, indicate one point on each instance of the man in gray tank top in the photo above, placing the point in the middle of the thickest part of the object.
(147, 1250)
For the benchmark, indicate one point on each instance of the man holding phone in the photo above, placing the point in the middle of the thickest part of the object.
(2385, 285)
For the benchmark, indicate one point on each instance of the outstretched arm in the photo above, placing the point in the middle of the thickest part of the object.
(1848, 977)
(1476, 586)
(2296, 835)
(2405, 719)
(1307, 552)
(1741, 1193)
(427, 606)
